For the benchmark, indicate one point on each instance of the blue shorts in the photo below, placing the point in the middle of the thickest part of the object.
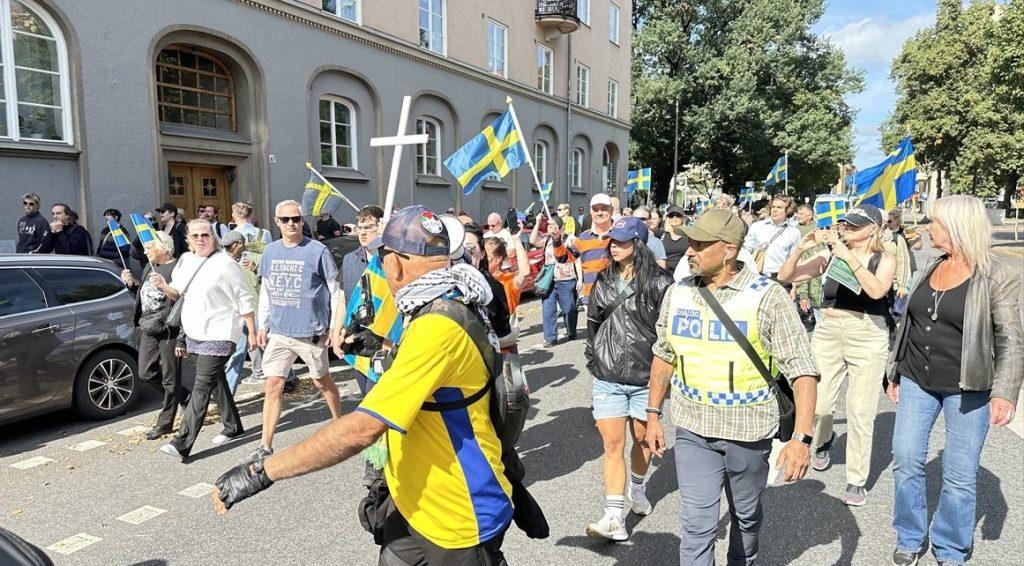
(617, 400)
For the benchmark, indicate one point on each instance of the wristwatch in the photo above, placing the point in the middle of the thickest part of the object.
(654, 411)
(805, 438)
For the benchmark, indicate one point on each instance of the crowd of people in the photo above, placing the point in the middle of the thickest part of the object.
(749, 323)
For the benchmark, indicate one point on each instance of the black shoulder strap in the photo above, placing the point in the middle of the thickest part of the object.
(621, 298)
(735, 332)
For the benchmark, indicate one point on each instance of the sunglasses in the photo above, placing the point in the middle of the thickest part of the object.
(289, 219)
(204, 236)
(385, 252)
(29, 203)
(673, 216)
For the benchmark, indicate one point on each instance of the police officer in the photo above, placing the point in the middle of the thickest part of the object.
(724, 411)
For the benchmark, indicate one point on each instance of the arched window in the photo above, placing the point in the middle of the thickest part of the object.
(609, 169)
(337, 133)
(34, 90)
(577, 168)
(194, 89)
(540, 160)
(428, 155)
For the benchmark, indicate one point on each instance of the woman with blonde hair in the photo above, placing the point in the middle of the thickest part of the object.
(851, 341)
(957, 351)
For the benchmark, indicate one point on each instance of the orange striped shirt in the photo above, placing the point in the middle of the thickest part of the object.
(593, 253)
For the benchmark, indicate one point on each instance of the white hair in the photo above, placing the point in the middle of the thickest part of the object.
(285, 203)
(202, 223)
(161, 242)
(725, 200)
(970, 233)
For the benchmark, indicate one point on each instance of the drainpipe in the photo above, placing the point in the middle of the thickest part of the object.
(568, 120)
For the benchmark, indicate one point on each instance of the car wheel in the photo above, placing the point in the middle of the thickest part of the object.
(106, 385)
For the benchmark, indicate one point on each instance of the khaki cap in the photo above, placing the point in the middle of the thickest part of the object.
(717, 225)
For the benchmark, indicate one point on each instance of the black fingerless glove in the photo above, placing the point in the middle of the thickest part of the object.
(242, 482)
(364, 343)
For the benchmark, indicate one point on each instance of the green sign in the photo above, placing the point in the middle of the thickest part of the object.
(839, 271)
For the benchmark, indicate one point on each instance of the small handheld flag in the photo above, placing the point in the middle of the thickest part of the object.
(120, 240)
(892, 181)
(142, 228)
(545, 191)
(638, 180)
(491, 154)
(779, 173)
(746, 196)
(319, 198)
(829, 209)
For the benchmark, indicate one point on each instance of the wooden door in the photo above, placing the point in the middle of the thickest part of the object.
(193, 185)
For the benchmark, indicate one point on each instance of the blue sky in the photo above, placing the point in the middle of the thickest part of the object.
(871, 33)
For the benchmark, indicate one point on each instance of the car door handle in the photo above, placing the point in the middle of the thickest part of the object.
(48, 329)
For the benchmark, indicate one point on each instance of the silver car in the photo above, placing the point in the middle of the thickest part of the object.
(66, 337)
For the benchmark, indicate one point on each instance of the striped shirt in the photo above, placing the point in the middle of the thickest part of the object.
(782, 334)
(592, 250)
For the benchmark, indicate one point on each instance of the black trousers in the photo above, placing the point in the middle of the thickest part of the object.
(210, 382)
(403, 546)
(161, 369)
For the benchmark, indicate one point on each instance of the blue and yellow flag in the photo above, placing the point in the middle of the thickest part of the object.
(746, 196)
(638, 180)
(779, 173)
(545, 190)
(829, 209)
(892, 181)
(387, 321)
(319, 197)
(491, 154)
(142, 228)
(120, 240)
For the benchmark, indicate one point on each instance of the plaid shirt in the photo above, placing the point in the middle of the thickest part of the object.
(781, 333)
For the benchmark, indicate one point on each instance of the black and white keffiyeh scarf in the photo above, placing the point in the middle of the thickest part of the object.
(461, 282)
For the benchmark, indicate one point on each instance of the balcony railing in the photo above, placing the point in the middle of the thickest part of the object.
(558, 13)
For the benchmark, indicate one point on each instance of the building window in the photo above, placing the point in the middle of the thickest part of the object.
(347, 9)
(613, 23)
(337, 133)
(583, 11)
(613, 99)
(609, 170)
(34, 88)
(577, 168)
(432, 14)
(545, 69)
(582, 85)
(497, 48)
(194, 89)
(540, 160)
(428, 155)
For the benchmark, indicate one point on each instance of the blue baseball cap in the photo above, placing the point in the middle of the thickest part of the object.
(628, 228)
(414, 230)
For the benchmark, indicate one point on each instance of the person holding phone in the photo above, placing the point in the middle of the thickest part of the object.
(851, 342)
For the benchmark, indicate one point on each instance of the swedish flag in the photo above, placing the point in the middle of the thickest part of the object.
(746, 195)
(892, 181)
(778, 173)
(491, 154)
(638, 180)
(829, 209)
(120, 240)
(387, 321)
(142, 228)
(545, 190)
(319, 197)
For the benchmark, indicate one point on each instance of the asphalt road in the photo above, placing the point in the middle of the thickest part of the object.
(84, 501)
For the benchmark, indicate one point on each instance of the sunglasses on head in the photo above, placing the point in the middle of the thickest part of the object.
(289, 219)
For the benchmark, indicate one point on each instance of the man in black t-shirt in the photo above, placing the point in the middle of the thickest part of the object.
(327, 227)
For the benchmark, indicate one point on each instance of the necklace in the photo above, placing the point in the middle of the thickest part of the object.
(936, 298)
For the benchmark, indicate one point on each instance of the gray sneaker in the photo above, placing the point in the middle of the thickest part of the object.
(261, 452)
(855, 496)
(253, 380)
(822, 456)
(904, 558)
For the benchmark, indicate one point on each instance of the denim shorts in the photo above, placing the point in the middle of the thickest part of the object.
(616, 400)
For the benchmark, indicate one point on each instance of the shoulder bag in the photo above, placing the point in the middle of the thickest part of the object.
(780, 387)
(762, 251)
(174, 314)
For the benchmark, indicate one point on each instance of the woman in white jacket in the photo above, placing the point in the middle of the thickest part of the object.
(217, 302)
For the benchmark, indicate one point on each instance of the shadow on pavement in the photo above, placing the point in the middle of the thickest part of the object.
(991, 509)
(800, 516)
(560, 445)
(661, 549)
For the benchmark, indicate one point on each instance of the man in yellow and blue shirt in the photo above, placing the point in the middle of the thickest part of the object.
(444, 469)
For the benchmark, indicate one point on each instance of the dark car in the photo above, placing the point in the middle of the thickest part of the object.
(340, 246)
(66, 337)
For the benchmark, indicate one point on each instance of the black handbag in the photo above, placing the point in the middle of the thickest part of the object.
(174, 314)
(781, 389)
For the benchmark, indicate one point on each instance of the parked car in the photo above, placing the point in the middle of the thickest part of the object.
(341, 246)
(66, 337)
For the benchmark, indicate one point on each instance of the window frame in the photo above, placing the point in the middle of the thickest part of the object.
(613, 23)
(613, 98)
(8, 76)
(582, 94)
(540, 160)
(493, 24)
(583, 11)
(51, 292)
(577, 167)
(549, 57)
(421, 149)
(38, 287)
(610, 171)
(443, 48)
(220, 71)
(337, 11)
(353, 132)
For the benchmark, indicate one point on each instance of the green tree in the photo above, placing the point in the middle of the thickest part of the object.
(751, 80)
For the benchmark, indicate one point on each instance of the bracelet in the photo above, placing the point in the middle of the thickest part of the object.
(654, 411)
(859, 267)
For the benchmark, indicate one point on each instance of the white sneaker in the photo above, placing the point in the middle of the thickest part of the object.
(223, 439)
(609, 528)
(641, 505)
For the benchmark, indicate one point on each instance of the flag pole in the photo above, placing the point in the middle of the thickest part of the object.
(526, 151)
(786, 190)
(333, 189)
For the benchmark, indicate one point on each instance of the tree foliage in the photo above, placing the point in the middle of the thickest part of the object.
(960, 93)
(752, 81)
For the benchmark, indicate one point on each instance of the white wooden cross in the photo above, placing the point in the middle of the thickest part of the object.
(398, 142)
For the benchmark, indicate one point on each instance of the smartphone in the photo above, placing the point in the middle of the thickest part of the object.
(512, 220)
(826, 236)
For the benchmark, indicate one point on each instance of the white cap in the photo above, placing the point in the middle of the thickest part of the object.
(456, 235)
(600, 198)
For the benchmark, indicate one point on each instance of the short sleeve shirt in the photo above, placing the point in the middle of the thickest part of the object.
(512, 294)
(296, 281)
(444, 469)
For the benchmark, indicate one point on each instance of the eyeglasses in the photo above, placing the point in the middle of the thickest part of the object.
(29, 203)
(673, 215)
(471, 248)
(492, 225)
(385, 252)
(372, 228)
(289, 219)
(204, 236)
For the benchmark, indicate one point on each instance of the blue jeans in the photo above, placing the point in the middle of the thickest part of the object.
(966, 416)
(236, 362)
(563, 296)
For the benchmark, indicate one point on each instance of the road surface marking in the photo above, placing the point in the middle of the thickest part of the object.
(31, 462)
(73, 544)
(87, 445)
(197, 491)
(141, 515)
(134, 430)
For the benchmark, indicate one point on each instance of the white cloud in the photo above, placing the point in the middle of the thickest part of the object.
(875, 41)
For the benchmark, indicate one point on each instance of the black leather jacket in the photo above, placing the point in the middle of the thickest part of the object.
(619, 342)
